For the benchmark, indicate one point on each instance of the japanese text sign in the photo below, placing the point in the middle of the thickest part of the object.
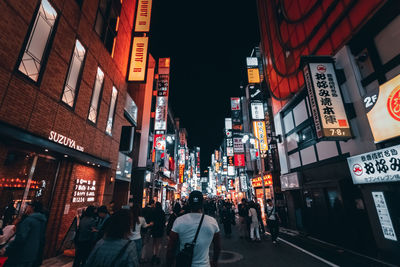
(239, 160)
(257, 110)
(143, 15)
(238, 146)
(384, 216)
(261, 134)
(257, 182)
(235, 103)
(326, 101)
(383, 110)
(378, 166)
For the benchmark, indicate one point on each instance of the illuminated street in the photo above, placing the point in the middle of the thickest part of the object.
(190, 133)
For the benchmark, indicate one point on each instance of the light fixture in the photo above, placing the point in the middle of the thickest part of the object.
(46, 150)
(88, 162)
(65, 156)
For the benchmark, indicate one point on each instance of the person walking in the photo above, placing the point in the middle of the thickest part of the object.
(227, 219)
(85, 236)
(157, 231)
(102, 217)
(137, 223)
(272, 220)
(27, 247)
(184, 232)
(176, 212)
(254, 222)
(259, 217)
(115, 249)
(243, 215)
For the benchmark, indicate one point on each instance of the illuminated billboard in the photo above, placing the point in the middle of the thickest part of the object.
(137, 66)
(383, 110)
(143, 15)
(261, 134)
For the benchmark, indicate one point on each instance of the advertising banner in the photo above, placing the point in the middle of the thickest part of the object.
(159, 142)
(228, 123)
(257, 111)
(261, 134)
(243, 182)
(137, 66)
(383, 110)
(255, 92)
(253, 75)
(143, 15)
(235, 103)
(161, 113)
(231, 184)
(384, 216)
(326, 101)
(378, 166)
(257, 182)
(238, 146)
(239, 160)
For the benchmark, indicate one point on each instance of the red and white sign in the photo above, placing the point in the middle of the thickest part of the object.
(159, 142)
(235, 103)
(239, 160)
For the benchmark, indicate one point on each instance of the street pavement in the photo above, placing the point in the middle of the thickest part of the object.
(291, 250)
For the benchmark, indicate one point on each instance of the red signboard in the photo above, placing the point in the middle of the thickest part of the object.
(239, 160)
(256, 182)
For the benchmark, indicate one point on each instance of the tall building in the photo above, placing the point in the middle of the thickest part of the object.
(332, 69)
(62, 99)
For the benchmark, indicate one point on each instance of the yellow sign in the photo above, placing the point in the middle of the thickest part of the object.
(261, 134)
(137, 67)
(143, 15)
(384, 110)
(253, 75)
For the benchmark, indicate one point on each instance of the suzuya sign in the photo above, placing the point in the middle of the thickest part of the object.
(326, 101)
(378, 166)
(64, 140)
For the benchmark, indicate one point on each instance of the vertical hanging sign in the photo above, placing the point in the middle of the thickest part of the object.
(137, 65)
(326, 101)
(143, 15)
(162, 95)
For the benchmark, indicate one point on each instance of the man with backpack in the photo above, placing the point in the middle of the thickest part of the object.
(195, 232)
(272, 220)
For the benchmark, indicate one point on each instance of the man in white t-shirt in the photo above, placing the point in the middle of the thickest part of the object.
(184, 231)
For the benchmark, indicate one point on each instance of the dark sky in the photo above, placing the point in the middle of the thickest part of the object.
(208, 42)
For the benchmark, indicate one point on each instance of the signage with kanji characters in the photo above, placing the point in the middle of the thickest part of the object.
(261, 134)
(235, 103)
(257, 182)
(257, 110)
(239, 160)
(238, 146)
(378, 166)
(253, 75)
(326, 101)
(383, 110)
(243, 182)
(384, 216)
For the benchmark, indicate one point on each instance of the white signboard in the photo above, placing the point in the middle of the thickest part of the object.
(243, 182)
(231, 170)
(378, 166)
(161, 113)
(384, 216)
(251, 62)
(64, 140)
(326, 101)
(238, 146)
(290, 181)
(228, 123)
(257, 111)
(229, 151)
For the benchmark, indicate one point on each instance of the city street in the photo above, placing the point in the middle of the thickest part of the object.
(289, 251)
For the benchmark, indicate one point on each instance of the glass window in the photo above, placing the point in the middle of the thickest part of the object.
(74, 71)
(131, 109)
(94, 104)
(288, 122)
(107, 20)
(300, 113)
(385, 41)
(37, 44)
(111, 111)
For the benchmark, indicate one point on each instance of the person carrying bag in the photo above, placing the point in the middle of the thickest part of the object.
(185, 256)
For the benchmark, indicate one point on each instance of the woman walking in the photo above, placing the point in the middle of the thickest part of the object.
(158, 228)
(137, 223)
(254, 222)
(115, 249)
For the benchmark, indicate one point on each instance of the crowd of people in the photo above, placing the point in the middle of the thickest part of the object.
(104, 237)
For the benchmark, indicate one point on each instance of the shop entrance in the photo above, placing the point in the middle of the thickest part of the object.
(25, 176)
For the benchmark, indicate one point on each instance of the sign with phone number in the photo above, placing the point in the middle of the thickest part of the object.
(378, 166)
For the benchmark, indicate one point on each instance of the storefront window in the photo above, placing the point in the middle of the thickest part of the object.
(25, 176)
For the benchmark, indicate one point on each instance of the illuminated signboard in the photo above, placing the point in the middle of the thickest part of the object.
(261, 134)
(239, 160)
(65, 141)
(257, 111)
(243, 182)
(253, 75)
(326, 101)
(143, 15)
(256, 182)
(378, 166)
(238, 146)
(231, 184)
(159, 142)
(84, 191)
(137, 66)
(235, 103)
(161, 113)
(228, 123)
(383, 110)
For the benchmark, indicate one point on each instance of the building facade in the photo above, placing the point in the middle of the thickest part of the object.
(319, 173)
(62, 97)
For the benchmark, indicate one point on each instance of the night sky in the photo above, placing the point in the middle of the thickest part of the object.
(208, 42)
